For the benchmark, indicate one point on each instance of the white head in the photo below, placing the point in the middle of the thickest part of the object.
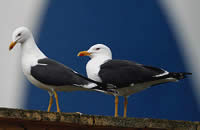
(97, 50)
(20, 35)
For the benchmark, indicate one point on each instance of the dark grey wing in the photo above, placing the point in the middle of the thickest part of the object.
(101, 86)
(123, 73)
(51, 72)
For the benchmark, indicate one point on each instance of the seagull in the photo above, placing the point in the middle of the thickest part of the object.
(128, 77)
(46, 73)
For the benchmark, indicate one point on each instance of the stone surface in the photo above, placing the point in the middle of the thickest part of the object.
(76, 120)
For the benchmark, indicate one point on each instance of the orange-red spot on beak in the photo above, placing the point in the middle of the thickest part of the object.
(84, 53)
(12, 44)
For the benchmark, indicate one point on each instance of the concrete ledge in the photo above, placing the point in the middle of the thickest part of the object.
(31, 118)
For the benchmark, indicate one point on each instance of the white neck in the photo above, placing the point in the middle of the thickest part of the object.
(30, 54)
(93, 66)
(30, 49)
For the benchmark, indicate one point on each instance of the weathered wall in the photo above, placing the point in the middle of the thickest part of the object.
(16, 119)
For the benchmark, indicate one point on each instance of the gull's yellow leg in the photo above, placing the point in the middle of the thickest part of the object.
(56, 97)
(125, 105)
(50, 103)
(116, 106)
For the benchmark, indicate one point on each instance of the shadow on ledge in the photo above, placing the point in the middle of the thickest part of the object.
(16, 119)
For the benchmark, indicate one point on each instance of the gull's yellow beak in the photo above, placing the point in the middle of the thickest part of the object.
(84, 53)
(12, 44)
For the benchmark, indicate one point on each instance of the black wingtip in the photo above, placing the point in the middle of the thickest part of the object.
(180, 75)
(186, 73)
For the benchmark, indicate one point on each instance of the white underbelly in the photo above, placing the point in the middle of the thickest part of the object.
(127, 91)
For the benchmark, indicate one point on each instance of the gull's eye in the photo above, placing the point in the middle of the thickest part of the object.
(97, 49)
(19, 34)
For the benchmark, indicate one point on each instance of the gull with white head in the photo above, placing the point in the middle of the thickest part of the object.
(46, 73)
(128, 77)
